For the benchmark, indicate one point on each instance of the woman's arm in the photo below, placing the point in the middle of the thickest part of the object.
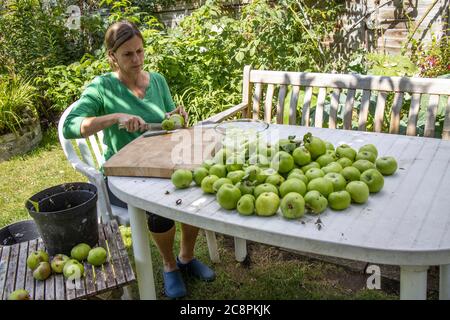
(92, 125)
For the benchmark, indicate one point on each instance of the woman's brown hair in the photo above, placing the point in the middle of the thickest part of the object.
(117, 34)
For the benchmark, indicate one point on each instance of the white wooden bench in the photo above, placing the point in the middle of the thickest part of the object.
(305, 99)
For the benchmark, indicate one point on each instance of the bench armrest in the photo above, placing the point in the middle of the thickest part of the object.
(226, 114)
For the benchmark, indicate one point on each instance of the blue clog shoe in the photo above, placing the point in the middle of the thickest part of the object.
(174, 285)
(197, 269)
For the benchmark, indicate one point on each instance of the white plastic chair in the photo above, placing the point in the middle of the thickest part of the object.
(90, 168)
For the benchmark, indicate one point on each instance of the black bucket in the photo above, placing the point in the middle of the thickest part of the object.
(18, 232)
(66, 216)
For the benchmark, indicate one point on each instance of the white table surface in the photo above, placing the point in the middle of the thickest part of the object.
(407, 223)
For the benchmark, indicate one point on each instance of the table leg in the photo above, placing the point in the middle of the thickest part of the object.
(413, 282)
(444, 282)
(212, 246)
(142, 255)
(240, 249)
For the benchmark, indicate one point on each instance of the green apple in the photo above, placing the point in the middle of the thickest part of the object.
(234, 162)
(359, 191)
(218, 170)
(37, 257)
(267, 204)
(58, 262)
(299, 177)
(181, 178)
(331, 153)
(80, 251)
(315, 145)
(275, 179)
(220, 182)
(228, 196)
(315, 202)
(208, 182)
(168, 124)
(292, 206)
(344, 162)
(246, 187)
(246, 205)
(329, 145)
(177, 119)
(325, 159)
(363, 165)
(386, 165)
(339, 200)
(374, 180)
(314, 173)
(97, 256)
(20, 294)
(260, 160)
(324, 186)
(332, 167)
(345, 151)
(292, 185)
(236, 176)
(282, 162)
(199, 174)
(208, 164)
(73, 269)
(43, 271)
(350, 174)
(255, 174)
(296, 170)
(310, 165)
(369, 147)
(337, 180)
(266, 151)
(366, 155)
(301, 156)
(265, 187)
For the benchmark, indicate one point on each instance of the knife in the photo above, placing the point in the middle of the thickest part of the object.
(153, 126)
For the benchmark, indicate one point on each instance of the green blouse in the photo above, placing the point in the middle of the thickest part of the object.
(106, 95)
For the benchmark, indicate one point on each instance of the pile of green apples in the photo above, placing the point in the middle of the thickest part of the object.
(174, 121)
(295, 176)
(71, 267)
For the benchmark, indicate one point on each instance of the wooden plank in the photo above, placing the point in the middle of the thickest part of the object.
(115, 261)
(39, 286)
(22, 266)
(247, 87)
(30, 282)
(186, 148)
(306, 106)
(60, 289)
(90, 280)
(348, 109)
(318, 121)
(12, 270)
(293, 105)
(446, 129)
(268, 103)
(280, 104)
(127, 269)
(4, 259)
(242, 107)
(110, 279)
(364, 110)
(353, 81)
(379, 111)
(334, 108)
(431, 116)
(413, 114)
(395, 115)
(256, 100)
(50, 287)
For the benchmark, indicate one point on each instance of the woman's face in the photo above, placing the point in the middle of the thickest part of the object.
(129, 57)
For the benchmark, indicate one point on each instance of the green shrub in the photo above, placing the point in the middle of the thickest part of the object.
(17, 98)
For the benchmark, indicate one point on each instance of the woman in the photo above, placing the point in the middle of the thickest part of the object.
(129, 98)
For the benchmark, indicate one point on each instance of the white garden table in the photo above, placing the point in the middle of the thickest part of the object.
(405, 224)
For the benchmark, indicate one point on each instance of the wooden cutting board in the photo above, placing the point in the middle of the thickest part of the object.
(159, 156)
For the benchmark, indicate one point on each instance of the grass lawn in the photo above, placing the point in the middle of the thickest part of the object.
(270, 273)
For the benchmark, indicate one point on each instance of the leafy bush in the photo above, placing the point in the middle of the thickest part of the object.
(17, 98)
(434, 59)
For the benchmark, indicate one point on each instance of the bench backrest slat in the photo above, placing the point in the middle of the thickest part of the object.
(306, 106)
(446, 130)
(268, 103)
(280, 103)
(334, 108)
(395, 115)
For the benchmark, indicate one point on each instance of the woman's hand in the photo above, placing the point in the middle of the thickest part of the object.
(131, 122)
(180, 110)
